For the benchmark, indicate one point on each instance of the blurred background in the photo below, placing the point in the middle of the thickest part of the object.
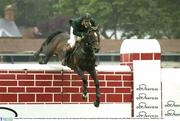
(25, 24)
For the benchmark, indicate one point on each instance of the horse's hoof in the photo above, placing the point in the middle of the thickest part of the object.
(41, 61)
(96, 104)
(84, 96)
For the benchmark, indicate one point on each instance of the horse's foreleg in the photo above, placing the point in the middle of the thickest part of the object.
(83, 77)
(96, 82)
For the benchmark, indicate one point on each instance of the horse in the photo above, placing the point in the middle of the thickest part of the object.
(80, 60)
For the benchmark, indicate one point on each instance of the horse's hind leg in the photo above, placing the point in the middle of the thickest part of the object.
(48, 53)
(96, 81)
(46, 57)
(44, 60)
(39, 51)
(36, 55)
(81, 74)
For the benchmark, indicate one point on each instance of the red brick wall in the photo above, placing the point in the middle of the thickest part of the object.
(127, 58)
(56, 87)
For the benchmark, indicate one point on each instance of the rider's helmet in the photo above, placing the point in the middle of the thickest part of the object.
(86, 20)
(87, 16)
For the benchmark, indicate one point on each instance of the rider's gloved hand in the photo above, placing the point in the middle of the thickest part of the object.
(78, 39)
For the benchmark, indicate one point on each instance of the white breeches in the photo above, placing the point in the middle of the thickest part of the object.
(72, 39)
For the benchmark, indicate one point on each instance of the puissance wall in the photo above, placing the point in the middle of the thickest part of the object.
(58, 89)
(44, 87)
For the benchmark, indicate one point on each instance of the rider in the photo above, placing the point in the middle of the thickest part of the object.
(78, 27)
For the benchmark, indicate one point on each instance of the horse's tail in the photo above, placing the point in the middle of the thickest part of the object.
(48, 40)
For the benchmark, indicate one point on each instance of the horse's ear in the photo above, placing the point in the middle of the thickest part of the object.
(98, 27)
(95, 27)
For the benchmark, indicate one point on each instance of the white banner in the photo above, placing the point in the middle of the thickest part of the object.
(147, 89)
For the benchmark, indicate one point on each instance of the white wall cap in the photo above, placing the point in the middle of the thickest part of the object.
(140, 46)
(59, 67)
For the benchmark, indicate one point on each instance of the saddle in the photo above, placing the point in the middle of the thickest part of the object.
(68, 52)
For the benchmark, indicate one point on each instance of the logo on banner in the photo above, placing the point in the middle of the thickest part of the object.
(143, 96)
(143, 105)
(143, 114)
(172, 112)
(143, 87)
(172, 103)
(173, 108)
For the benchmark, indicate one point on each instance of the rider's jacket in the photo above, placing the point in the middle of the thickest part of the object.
(78, 28)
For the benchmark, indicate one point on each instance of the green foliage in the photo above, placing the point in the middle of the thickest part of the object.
(140, 18)
(29, 12)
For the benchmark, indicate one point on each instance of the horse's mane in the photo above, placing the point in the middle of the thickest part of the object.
(48, 40)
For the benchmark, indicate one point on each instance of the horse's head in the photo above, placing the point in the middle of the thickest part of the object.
(92, 39)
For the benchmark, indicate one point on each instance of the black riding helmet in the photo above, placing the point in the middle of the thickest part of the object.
(86, 20)
(86, 16)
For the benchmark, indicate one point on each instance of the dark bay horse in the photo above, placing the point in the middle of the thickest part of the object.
(81, 59)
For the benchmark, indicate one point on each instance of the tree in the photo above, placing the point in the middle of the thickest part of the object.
(135, 18)
(100, 9)
(29, 12)
(171, 18)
